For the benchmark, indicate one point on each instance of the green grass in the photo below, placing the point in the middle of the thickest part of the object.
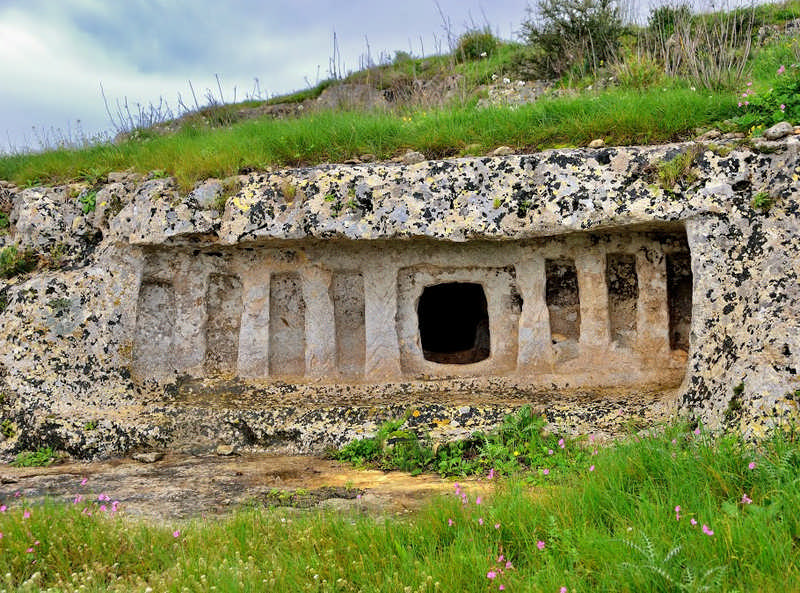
(192, 154)
(610, 527)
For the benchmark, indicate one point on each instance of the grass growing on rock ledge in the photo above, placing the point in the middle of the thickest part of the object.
(677, 511)
(620, 117)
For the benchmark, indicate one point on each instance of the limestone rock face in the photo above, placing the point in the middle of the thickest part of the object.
(323, 301)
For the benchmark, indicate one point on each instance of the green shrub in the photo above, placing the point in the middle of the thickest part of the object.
(781, 102)
(574, 35)
(42, 457)
(13, 261)
(4, 222)
(88, 201)
(678, 170)
(662, 20)
(475, 44)
(637, 71)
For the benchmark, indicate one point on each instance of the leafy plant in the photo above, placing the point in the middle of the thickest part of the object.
(762, 201)
(14, 262)
(519, 443)
(4, 221)
(672, 570)
(781, 102)
(573, 34)
(42, 457)
(7, 428)
(637, 71)
(88, 201)
(678, 170)
(475, 44)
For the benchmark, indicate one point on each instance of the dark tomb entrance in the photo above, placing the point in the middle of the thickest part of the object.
(454, 323)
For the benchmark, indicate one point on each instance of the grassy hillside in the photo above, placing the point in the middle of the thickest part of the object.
(679, 73)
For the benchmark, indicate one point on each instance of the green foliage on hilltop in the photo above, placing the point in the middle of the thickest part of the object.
(626, 84)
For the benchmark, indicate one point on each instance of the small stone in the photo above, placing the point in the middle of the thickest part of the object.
(367, 158)
(709, 135)
(225, 450)
(597, 143)
(778, 131)
(502, 151)
(733, 136)
(412, 157)
(150, 457)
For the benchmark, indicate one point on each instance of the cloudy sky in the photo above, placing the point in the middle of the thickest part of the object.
(54, 54)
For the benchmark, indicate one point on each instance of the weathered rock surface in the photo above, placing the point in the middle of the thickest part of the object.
(189, 486)
(290, 321)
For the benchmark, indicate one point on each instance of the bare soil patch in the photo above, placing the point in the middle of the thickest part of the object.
(181, 486)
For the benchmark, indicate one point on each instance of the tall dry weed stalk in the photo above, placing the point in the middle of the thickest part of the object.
(711, 49)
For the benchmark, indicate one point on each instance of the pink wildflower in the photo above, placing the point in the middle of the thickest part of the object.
(591, 438)
(746, 499)
(783, 107)
(3, 508)
(678, 513)
(740, 103)
(540, 545)
(594, 452)
(697, 431)
(550, 451)
(78, 498)
(545, 471)
(491, 575)
(83, 481)
(26, 514)
(500, 558)
(562, 590)
(480, 521)
(1, 535)
(501, 588)
(491, 474)
(509, 565)
(746, 103)
(29, 551)
(693, 521)
(449, 522)
(591, 468)
(781, 70)
(176, 533)
(751, 465)
(102, 508)
(497, 525)
(561, 443)
(707, 530)
(478, 500)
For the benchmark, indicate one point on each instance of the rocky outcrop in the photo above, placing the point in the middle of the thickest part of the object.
(312, 304)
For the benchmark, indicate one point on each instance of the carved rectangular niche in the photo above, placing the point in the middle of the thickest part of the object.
(679, 299)
(153, 350)
(623, 297)
(563, 300)
(457, 321)
(348, 311)
(287, 325)
(224, 311)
